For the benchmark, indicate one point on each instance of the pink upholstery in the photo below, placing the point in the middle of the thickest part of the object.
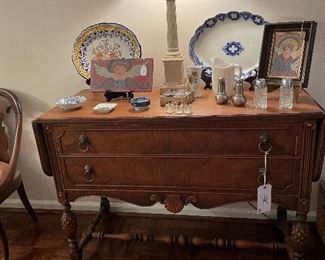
(3, 106)
(3, 168)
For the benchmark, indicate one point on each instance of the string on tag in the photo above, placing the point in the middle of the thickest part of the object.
(265, 167)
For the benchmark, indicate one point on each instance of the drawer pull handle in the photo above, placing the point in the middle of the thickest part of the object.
(88, 173)
(265, 143)
(83, 143)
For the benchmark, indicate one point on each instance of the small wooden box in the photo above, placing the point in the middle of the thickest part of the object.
(321, 210)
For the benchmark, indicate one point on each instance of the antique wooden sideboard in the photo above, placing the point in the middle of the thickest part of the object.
(207, 159)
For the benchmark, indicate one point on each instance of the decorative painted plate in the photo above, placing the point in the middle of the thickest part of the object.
(103, 41)
(234, 37)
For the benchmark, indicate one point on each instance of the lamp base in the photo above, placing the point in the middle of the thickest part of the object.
(174, 71)
(173, 85)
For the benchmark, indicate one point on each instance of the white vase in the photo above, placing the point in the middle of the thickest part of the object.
(194, 78)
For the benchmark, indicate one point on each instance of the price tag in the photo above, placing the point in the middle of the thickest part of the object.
(143, 70)
(264, 198)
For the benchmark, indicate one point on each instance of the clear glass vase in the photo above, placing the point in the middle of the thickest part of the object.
(286, 94)
(260, 94)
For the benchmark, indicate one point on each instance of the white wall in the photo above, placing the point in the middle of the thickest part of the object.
(36, 38)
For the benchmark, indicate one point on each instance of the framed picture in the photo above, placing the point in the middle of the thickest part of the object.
(121, 75)
(287, 50)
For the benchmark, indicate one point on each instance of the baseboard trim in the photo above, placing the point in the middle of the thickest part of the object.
(119, 206)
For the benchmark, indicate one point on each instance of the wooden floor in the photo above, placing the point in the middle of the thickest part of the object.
(45, 240)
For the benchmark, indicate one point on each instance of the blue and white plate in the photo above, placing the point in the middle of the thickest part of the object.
(104, 41)
(71, 102)
(234, 37)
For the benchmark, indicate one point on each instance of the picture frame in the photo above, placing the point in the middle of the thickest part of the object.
(121, 75)
(287, 50)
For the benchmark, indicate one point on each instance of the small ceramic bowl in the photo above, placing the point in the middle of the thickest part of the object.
(71, 102)
(140, 103)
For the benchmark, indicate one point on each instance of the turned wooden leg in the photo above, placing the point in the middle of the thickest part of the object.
(282, 224)
(4, 243)
(23, 197)
(104, 210)
(70, 226)
(104, 206)
(299, 239)
(281, 214)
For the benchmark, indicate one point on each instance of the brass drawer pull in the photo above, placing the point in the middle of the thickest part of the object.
(265, 143)
(83, 143)
(88, 173)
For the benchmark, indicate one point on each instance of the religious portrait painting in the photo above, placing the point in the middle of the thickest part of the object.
(286, 52)
(121, 75)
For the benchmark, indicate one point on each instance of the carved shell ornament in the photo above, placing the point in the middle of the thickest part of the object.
(174, 203)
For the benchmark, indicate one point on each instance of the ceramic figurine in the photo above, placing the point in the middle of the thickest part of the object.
(239, 99)
(194, 77)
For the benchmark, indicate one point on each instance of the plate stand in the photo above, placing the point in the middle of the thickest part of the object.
(111, 95)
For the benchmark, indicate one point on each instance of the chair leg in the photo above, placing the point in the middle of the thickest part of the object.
(4, 243)
(25, 201)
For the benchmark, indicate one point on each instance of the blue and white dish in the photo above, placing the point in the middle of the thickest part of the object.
(140, 103)
(104, 107)
(104, 41)
(71, 102)
(234, 37)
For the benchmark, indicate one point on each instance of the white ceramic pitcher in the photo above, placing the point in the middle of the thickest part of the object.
(227, 71)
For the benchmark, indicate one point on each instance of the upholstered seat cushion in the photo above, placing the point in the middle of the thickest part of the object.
(12, 185)
(3, 105)
(3, 169)
(4, 152)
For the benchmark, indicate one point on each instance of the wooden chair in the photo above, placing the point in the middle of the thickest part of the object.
(10, 178)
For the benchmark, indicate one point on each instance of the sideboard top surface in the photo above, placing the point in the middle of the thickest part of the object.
(202, 107)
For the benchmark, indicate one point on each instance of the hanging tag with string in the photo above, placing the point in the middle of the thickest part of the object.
(264, 192)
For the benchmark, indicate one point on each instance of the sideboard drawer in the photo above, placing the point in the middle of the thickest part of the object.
(219, 173)
(212, 141)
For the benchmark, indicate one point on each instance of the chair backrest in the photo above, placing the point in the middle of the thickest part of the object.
(17, 109)
(4, 155)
